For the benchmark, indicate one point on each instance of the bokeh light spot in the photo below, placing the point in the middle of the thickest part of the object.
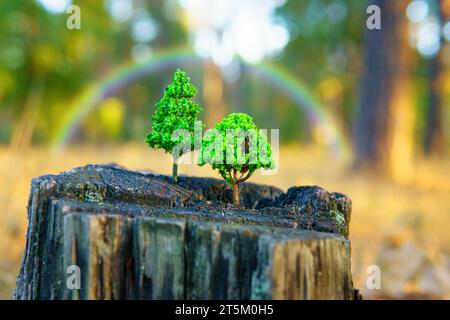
(417, 10)
(55, 6)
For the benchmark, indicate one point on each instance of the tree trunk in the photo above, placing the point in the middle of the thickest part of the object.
(175, 170)
(213, 88)
(236, 195)
(383, 128)
(129, 235)
(434, 131)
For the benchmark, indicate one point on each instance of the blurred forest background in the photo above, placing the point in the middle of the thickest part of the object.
(363, 112)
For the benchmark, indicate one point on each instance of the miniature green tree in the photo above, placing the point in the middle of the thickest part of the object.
(236, 148)
(173, 112)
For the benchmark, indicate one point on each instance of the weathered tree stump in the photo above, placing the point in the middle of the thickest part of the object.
(137, 235)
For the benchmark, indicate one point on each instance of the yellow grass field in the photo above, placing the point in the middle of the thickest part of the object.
(402, 228)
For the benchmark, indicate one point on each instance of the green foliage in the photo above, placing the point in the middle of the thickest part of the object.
(236, 148)
(174, 111)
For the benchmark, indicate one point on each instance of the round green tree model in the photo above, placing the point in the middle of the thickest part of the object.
(236, 148)
(173, 112)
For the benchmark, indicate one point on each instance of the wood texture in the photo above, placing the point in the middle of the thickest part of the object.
(139, 236)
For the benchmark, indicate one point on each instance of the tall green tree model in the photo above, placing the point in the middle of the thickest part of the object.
(236, 148)
(174, 111)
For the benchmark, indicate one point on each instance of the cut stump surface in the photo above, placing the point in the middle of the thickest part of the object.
(139, 235)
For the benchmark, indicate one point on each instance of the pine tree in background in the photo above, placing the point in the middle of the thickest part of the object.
(174, 111)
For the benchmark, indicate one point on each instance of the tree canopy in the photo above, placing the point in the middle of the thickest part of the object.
(236, 148)
(174, 111)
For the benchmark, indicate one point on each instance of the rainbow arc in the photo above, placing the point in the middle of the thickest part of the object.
(125, 75)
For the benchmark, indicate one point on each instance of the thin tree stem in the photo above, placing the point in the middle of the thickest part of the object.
(175, 170)
(236, 195)
(245, 178)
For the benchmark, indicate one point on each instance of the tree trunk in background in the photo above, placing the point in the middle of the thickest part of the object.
(213, 94)
(383, 129)
(434, 131)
